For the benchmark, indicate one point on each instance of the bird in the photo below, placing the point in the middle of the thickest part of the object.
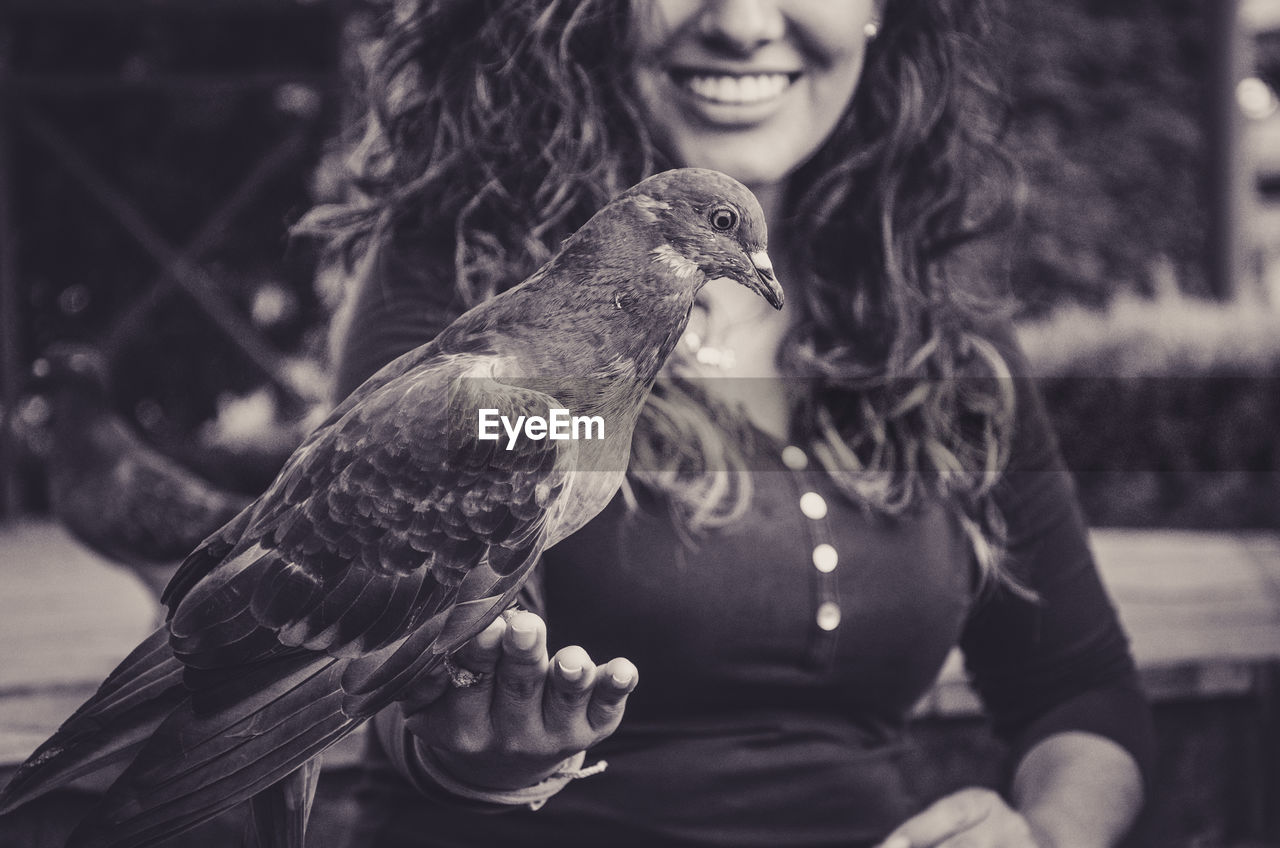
(116, 493)
(396, 532)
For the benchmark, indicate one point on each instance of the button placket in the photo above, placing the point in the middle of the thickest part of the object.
(823, 555)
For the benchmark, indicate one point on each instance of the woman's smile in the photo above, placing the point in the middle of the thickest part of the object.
(733, 97)
(751, 89)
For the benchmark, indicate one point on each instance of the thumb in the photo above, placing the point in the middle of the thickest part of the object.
(946, 817)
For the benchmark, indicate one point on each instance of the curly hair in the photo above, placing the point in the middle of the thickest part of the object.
(502, 126)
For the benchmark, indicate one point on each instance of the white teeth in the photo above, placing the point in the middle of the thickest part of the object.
(738, 90)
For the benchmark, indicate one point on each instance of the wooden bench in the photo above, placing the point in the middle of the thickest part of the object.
(1202, 610)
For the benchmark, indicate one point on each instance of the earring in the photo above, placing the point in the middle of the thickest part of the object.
(871, 30)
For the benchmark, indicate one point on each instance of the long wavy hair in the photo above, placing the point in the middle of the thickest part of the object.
(494, 128)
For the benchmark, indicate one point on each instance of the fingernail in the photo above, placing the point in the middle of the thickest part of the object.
(622, 677)
(524, 634)
(490, 637)
(571, 673)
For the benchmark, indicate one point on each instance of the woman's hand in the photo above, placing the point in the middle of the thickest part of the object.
(970, 818)
(1074, 789)
(525, 715)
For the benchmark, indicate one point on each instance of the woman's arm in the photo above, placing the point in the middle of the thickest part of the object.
(1055, 673)
(391, 304)
(1061, 662)
(1077, 789)
(1071, 790)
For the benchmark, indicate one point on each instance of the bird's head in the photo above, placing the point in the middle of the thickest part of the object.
(712, 227)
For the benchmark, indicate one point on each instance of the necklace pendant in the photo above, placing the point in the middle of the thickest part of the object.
(706, 354)
(716, 357)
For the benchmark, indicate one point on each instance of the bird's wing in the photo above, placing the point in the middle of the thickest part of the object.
(392, 537)
(394, 515)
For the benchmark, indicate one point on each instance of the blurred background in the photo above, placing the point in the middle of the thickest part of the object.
(153, 154)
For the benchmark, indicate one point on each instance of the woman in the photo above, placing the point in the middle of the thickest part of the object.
(890, 491)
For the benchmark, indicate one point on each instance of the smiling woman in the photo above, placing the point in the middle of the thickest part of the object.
(795, 554)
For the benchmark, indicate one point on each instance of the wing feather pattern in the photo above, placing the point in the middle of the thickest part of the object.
(389, 539)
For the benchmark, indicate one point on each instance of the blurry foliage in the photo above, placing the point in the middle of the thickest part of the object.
(1110, 101)
(1165, 404)
(174, 106)
(1108, 127)
(1166, 410)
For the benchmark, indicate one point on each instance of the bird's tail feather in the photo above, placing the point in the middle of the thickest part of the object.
(279, 814)
(109, 728)
(197, 765)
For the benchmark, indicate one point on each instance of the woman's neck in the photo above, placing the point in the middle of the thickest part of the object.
(771, 196)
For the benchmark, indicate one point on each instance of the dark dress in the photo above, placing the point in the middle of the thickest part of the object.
(775, 693)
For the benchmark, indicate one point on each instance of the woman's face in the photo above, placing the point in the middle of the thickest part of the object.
(749, 87)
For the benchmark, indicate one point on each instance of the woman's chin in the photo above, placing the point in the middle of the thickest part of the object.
(754, 164)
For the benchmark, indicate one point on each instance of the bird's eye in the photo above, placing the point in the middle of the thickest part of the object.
(723, 218)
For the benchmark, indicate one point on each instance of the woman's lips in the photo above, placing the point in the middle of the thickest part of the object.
(725, 89)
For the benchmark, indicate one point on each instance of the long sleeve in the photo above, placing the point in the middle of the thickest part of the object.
(395, 303)
(1061, 662)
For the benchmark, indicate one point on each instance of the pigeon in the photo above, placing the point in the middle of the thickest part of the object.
(401, 527)
(116, 493)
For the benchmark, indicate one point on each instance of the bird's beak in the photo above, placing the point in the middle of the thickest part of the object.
(766, 284)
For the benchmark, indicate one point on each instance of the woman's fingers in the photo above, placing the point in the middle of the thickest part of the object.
(478, 656)
(520, 676)
(614, 682)
(973, 816)
(458, 716)
(525, 708)
(564, 702)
